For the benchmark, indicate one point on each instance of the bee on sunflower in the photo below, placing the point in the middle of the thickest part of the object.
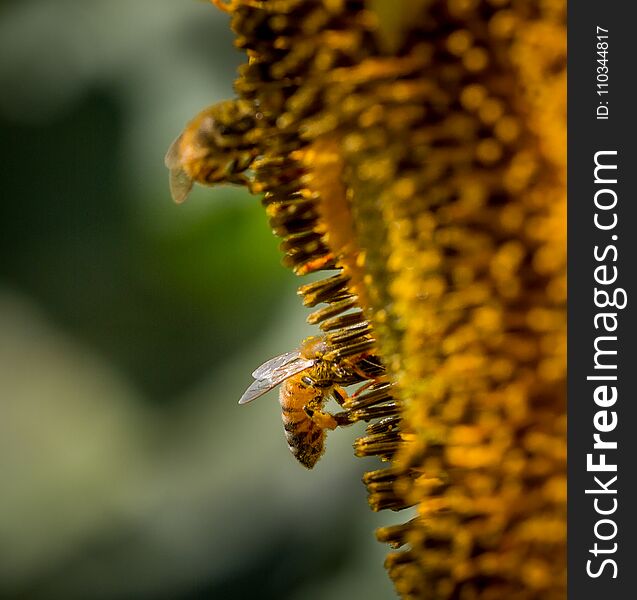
(416, 150)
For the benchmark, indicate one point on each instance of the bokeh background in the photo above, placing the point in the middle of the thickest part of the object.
(129, 328)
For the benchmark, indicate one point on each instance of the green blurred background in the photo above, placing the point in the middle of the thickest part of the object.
(129, 328)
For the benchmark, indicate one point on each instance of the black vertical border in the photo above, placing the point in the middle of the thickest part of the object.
(587, 135)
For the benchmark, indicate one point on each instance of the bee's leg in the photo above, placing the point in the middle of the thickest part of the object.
(370, 379)
(340, 395)
(361, 389)
(240, 179)
(323, 419)
(327, 420)
(342, 418)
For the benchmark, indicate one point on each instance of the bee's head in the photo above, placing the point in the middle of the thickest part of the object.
(313, 347)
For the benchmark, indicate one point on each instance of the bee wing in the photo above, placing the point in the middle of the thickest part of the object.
(180, 185)
(173, 156)
(180, 182)
(275, 363)
(270, 378)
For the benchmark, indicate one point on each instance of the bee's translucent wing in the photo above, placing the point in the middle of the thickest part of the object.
(256, 389)
(275, 363)
(180, 182)
(270, 378)
(173, 156)
(172, 160)
(180, 185)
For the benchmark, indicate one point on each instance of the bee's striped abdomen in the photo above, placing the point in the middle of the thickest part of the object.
(305, 438)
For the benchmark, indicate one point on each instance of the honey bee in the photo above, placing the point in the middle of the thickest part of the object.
(308, 379)
(217, 146)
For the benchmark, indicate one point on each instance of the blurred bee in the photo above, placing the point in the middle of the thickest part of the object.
(217, 146)
(308, 379)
